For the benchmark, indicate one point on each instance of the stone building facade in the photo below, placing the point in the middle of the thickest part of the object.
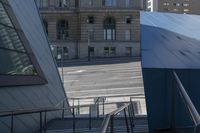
(103, 28)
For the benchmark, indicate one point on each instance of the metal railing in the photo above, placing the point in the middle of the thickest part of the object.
(188, 104)
(42, 111)
(60, 106)
(108, 122)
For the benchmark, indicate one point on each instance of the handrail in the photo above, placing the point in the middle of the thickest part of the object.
(28, 111)
(108, 117)
(189, 104)
(117, 111)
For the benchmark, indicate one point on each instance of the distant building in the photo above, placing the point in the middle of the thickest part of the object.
(174, 6)
(110, 27)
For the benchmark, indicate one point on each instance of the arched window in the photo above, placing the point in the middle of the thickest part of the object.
(62, 30)
(109, 28)
(45, 25)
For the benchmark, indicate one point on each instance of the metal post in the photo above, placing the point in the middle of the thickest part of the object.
(98, 109)
(12, 124)
(45, 121)
(74, 126)
(88, 45)
(112, 124)
(40, 122)
(132, 115)
(133, 112)
(103, 106)
(63, 80)
(90, 118)
(197, 129)
(78, 111)
(130, 119)
(63, 110)
(89, 53)
(127, 127)
(173, 114)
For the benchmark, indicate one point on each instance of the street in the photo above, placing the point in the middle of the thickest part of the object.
(103, 78)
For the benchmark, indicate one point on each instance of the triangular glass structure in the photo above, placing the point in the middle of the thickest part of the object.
(18, 65)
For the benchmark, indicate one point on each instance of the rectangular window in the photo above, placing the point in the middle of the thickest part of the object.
(62, 3)
(127, 35)
(106, 51)
(90, 20)
(127, 3)
(128, 19)
(109, 51)
(90, 2)
(92, 51)
(42, 3)
(128, 51)
(112, 51)
(109, 3)
(109, 34)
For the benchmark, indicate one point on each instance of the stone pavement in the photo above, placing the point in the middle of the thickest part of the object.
(115, 78)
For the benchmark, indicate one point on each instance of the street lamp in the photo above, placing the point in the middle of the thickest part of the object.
(89, 35)
(60, 57)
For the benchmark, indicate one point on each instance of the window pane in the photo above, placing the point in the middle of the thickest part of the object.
(112, 51)
(9, 39)
(104, 34)
(109, 34)
(4, 19)
(127, 35)
(127, 3)
(15, 63)
(106, 51)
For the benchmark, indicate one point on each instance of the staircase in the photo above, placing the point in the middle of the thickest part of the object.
(82, 125)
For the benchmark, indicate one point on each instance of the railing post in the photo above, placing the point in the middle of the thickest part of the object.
(127, 127)
(130, 119)
(73, 121)
(90, 118)
(12, 124)
(133, 112)
(98, 109)
(78, 106)
(103, 106)
(63, 110)
(40, 122)
(45, 121)
(173, 105)
(197, 129)
(112, 124)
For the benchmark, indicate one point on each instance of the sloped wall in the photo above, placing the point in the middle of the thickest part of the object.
(36, 96)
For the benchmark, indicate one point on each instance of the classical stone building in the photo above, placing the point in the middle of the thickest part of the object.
(108, 28)
(174, 6)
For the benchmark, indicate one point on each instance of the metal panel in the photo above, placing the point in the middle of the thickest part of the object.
(170, 40)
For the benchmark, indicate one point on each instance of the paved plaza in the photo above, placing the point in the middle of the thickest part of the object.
(117, 79)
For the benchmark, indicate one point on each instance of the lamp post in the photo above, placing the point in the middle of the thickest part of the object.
(60, 57)
(89, 45)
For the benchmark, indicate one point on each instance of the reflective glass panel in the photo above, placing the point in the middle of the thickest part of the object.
(4, 19)
(15, 63)
(9, 39)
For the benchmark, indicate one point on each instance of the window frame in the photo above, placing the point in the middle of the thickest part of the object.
(65, 29)
(109, 29)
(21, 80)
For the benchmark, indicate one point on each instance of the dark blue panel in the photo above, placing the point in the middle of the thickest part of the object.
(170, 42)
